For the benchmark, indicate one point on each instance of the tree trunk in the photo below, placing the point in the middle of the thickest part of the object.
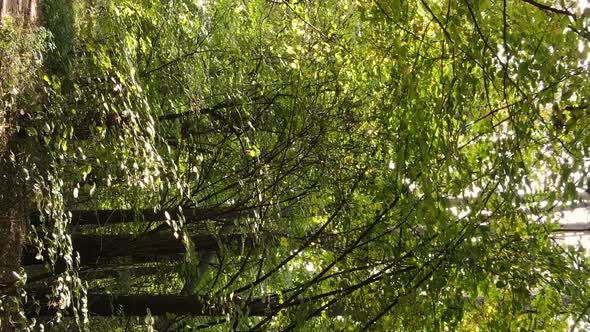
(137, 305)
(105, 217)
(97, 249)
(131, 271)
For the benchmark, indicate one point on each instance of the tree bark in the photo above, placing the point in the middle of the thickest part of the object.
(105, 217)
(132, 271)
(137, 305)
(97, 249)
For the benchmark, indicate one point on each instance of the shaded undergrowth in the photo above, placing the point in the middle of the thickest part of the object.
(22, 49)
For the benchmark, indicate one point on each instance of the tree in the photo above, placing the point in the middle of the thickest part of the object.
(317, 152)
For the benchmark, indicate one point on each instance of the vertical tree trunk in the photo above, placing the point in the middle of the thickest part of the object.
(137, 305)
(105, 217)
(3, 5)
(97, 249)
(131, 270)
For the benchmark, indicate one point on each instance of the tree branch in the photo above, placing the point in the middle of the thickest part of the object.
(551, 9)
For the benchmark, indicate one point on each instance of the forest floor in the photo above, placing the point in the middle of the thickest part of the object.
(13, 223)
(12, 226)
(12, 212)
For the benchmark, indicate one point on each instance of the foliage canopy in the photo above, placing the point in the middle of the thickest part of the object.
(333, 165)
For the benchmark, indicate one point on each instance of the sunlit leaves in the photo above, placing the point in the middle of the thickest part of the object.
(387, 164)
